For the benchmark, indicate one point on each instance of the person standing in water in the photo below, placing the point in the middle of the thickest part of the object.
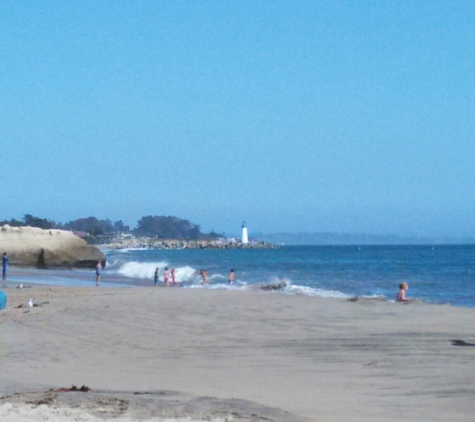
(155, 277)
(5, 264)
(166, 277)
(173, 273)
(231, 276)
(203, 275)
(98, 273)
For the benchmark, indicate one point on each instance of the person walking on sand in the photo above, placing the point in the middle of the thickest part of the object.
(5, 264)
(231, 276)
(98, 273)
(401, 296)
(166, 277)
(155, 276)
(173, 273)
(203, 275)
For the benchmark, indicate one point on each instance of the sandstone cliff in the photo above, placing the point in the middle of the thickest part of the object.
(34, 247)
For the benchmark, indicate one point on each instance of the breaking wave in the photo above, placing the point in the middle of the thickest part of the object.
(146, 270)
(189, 277)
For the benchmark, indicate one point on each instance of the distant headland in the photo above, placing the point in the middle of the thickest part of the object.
(151, 232)
(340, 239)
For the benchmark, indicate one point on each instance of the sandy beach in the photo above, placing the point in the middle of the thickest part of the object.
(185, 354)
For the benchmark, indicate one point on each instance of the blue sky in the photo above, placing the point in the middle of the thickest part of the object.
(313, 116)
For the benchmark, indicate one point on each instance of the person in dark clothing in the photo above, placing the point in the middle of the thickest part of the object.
(5, 263)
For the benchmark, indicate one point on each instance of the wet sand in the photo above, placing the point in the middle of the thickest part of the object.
(233, 355)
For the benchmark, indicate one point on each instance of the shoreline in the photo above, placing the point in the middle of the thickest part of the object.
(80, 278)
(318, 358)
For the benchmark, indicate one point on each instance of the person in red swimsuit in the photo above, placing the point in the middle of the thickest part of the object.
(166, 277)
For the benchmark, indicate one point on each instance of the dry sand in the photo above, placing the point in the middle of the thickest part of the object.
(227, 355)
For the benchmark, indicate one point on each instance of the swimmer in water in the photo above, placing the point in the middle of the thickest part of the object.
(231, 276)
(155, 277)
(203, 275)
(166, 277)
(401, 296)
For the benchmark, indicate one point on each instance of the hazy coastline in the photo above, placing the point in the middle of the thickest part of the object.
(329, 238)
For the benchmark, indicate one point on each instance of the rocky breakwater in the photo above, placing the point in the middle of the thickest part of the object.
(153, 243)
(34, 247)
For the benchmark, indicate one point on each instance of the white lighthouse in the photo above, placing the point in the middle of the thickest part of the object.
(244, 238)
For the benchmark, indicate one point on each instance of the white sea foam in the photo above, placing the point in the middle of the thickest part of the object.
(310, 291)
(146, 270)
(288, 289)
(296, 289)
(32, 413)
(218, 286)
(216, 277)
(141, 269)
(375, 296)
(184, 274)
(123, 250)
(112, 264)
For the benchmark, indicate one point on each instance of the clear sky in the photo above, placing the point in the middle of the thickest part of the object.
(299, 116)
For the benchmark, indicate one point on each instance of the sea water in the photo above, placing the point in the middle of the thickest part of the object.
(435, 274)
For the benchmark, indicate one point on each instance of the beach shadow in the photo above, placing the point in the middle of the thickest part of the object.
(40, 262)
(462, 343)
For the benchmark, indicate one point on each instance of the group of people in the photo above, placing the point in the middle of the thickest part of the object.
(167, 274)
(204, 276)
(169, 277)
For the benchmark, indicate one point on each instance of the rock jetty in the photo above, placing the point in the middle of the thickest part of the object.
(35, 247)
(154, 243)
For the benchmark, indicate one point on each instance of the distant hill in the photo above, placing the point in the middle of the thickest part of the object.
(354, 239)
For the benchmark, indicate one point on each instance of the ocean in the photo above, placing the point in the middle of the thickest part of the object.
(435, 274)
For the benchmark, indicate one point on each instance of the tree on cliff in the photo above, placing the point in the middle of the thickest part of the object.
(96, 227)
(167, 228)
(42, 223)
(32, 221)
(151, 226)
